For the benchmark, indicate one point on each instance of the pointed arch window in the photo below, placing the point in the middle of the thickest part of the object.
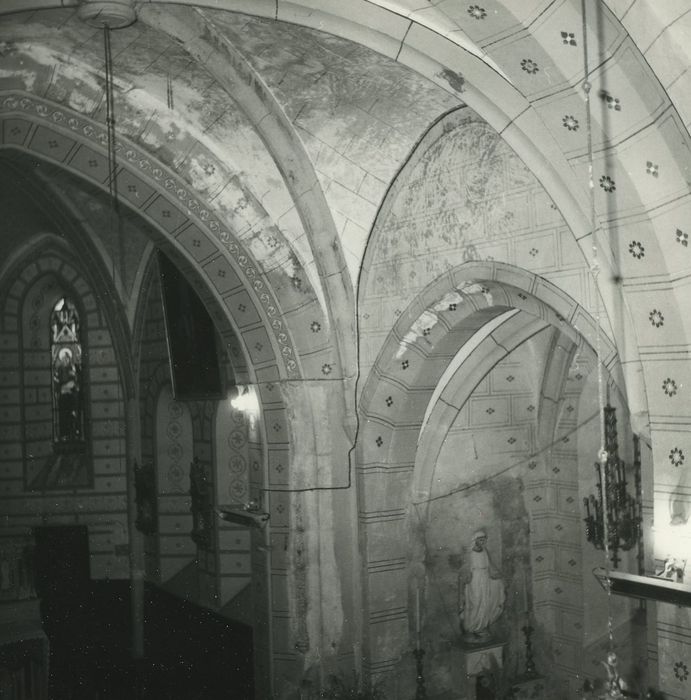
(66, 358)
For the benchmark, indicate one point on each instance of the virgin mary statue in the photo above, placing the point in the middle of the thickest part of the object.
(482, 594)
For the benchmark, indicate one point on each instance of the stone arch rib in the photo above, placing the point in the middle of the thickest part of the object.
(226, 264)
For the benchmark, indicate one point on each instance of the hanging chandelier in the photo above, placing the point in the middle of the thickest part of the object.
(616, 519)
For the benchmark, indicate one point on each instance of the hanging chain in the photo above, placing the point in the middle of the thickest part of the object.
(110, 116)
(111, 144)
(169, 92)
(602, 455)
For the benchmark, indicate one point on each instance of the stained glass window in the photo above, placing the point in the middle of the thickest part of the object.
(66, 358)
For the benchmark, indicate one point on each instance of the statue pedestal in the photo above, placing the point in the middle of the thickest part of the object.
(479, 659)
(528, 687)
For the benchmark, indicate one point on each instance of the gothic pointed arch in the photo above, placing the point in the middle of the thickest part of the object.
(409, 405)
(47, 289)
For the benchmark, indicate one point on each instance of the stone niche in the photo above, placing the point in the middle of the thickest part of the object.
(497, 506)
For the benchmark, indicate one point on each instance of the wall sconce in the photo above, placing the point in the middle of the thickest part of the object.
(245, 514)
(244, 398)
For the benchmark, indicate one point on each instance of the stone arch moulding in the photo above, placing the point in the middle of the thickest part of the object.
(292, 274)
(235, 286)
(617, 317)
(428, 334)
(489, 352)
(230, 275)
(422, 329)
(450, 59)
(85, 276)
(69, 140)
(237, 76)
(407, 37)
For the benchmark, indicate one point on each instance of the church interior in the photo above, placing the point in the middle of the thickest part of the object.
(343, 351)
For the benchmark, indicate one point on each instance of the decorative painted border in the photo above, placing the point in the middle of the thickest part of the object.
(155, 171)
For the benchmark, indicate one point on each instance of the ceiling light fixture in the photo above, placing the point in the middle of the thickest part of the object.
(115, 14)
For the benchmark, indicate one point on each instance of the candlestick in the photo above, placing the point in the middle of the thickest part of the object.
(417, 618)
(421, 691)
(529, 662)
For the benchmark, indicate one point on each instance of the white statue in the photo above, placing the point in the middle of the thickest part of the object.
(481, 594)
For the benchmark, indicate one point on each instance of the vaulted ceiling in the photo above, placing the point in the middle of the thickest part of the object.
(286, 122)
